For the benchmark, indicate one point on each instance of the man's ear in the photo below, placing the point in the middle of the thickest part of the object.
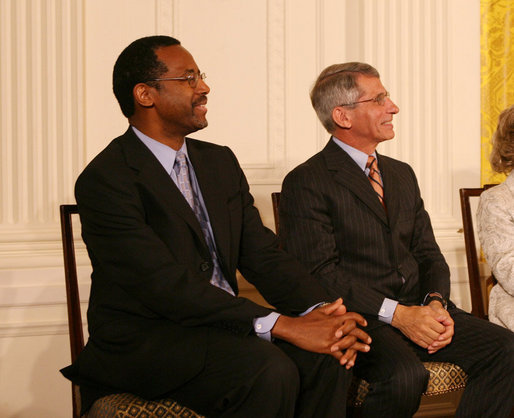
(341, 117)
(143, 95)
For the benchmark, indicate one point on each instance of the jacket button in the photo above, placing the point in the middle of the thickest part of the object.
(204, 266)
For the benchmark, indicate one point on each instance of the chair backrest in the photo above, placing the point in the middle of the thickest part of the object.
(72, 293)
(275, 201)
(477, 287)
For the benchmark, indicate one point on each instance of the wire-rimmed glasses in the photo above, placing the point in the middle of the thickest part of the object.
(380, 100)
(191, 78)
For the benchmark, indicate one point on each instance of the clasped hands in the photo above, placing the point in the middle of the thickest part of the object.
(430, 327)
(328, 329)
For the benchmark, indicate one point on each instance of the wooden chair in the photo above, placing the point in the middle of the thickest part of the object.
(444, 377)
(119, 405)
(477, 286)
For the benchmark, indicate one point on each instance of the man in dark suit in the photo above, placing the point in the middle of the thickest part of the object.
(167, 220)
(362, 229)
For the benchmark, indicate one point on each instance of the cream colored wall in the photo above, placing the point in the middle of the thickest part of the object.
(57, 111)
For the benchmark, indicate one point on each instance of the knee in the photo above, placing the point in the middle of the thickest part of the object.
(507, 352)
(400, 393)
(408, 381)
(501, 349)
(276, 385)
(279, 376)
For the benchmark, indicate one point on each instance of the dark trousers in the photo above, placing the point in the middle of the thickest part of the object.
(483, 350)
(249, 377)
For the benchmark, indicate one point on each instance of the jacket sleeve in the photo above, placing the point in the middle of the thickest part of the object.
(279, 277)
(434, 274)
(307, 232)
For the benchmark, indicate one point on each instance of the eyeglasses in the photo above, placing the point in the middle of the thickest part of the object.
(192, 79)
(380, 100)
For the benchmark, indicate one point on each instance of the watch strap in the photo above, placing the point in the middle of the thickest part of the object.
(430, 297)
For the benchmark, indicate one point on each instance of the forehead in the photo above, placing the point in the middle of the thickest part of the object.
(370, 85)
(177, 59)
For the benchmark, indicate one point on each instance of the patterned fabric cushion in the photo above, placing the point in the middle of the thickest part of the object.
(444, 378)
(126, 405)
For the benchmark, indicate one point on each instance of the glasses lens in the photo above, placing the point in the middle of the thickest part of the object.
(192, 79)
(381, 98)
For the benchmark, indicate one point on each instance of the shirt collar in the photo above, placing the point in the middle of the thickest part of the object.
(360, 158)
(166, 155)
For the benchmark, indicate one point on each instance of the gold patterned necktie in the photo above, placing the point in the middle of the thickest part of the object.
(375, 178)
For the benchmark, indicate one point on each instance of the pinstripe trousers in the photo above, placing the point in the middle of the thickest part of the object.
(397, 378)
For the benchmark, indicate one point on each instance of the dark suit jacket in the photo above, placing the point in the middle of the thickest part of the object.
(152, 307)
(332, 220)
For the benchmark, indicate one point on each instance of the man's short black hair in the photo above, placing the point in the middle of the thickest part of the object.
(138, 63)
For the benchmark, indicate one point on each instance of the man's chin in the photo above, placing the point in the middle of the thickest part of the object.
(387, 137)
(199, 125)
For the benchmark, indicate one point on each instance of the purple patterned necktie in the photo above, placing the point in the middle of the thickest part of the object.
(184, 185)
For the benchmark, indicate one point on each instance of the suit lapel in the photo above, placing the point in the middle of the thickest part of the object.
(155, 178)
(348, 174)
(207, 172)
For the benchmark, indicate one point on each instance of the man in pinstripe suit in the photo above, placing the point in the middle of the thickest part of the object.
(363, 231)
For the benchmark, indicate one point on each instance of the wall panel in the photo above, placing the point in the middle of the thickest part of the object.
(245, 68)
(41, 118)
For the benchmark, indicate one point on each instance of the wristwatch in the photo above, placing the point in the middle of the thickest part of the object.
(435, 296)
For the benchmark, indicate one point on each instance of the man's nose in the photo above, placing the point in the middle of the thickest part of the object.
(202, 87)
(392, 107)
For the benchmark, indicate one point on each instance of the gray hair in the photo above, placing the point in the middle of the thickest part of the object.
(502, 155)
(337, 85)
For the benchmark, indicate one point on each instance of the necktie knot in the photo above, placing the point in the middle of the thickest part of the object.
(184, 183)
(180, 161)
(371, 164)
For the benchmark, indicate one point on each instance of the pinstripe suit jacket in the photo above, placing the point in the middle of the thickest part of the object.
(331, 220)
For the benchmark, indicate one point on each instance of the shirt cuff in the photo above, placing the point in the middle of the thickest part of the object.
(386, 312)
(264, 325)
(312, 308)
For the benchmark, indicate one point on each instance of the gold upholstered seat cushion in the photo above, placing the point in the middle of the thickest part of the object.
(126, 405)
(444, 378)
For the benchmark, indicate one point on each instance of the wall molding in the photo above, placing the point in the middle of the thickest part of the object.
(34, 329)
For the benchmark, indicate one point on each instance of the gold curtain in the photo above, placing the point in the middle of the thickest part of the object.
(497, 73)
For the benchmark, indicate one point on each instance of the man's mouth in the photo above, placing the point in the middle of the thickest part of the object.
(201, 104)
